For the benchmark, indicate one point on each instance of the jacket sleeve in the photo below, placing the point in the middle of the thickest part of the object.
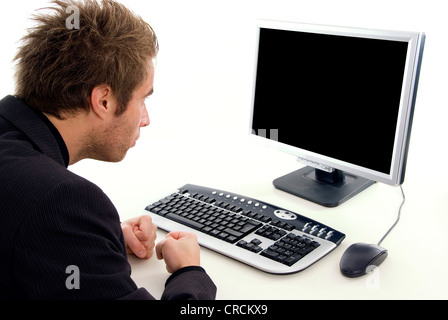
(75, 224)
(190, 283)
(72, 224)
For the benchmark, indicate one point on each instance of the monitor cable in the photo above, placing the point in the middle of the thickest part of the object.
(398, 217)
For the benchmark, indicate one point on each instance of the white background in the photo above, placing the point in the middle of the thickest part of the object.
(205, 66)
(200, 114)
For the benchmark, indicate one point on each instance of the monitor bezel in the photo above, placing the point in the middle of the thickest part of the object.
(415, 42)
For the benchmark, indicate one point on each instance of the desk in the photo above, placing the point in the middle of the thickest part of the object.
(418, 246)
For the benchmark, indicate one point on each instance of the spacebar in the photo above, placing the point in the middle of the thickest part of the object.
(185, 221)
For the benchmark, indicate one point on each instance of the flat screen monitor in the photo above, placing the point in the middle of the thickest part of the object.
(341, 100)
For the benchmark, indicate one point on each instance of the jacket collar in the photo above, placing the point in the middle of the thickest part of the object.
(29, 122)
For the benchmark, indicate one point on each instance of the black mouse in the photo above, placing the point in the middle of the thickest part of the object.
(360, 258)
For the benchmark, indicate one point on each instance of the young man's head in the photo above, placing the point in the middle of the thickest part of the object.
(90, 58)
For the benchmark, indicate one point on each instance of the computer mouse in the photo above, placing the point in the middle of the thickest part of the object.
(361, 258)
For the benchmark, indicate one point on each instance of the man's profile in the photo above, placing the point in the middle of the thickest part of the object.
(81, 87)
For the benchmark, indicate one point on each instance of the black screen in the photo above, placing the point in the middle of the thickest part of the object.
(333, 95)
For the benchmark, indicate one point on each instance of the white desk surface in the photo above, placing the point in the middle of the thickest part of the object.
(418, 246)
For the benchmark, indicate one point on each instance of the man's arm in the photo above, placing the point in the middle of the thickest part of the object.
(75, 224)
(180, 250)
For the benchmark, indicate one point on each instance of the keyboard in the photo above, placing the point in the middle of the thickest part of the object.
(259, 234)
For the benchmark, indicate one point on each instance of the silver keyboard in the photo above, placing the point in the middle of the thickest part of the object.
(259, 234)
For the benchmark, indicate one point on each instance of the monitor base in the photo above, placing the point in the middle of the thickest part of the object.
(330, 191)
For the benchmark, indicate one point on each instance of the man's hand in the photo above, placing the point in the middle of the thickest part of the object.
(179, 250)
(140, 236)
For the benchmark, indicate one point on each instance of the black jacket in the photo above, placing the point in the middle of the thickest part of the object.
(51, 219)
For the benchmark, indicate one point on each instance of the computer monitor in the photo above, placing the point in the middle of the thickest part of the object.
(341, 100)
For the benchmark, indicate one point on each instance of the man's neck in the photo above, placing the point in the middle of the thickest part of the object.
(73, 131)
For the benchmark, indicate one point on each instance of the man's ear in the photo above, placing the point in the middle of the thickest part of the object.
(101, 100)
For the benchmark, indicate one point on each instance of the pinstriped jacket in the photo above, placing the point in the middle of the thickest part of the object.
(51, 219)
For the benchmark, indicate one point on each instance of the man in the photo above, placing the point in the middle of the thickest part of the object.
(81, 94)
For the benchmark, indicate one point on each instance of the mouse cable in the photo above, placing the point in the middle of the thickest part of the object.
(398, 217)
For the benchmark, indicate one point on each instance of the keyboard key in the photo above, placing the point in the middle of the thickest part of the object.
(241, 243)
(185, 221)
(248, 228)
(231, 239)
(270, 254)
(234, 233)
(292, 259)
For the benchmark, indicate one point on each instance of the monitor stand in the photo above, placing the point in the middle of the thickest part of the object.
(327, 189)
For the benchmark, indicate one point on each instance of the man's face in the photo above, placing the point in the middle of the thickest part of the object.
(123, 131)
